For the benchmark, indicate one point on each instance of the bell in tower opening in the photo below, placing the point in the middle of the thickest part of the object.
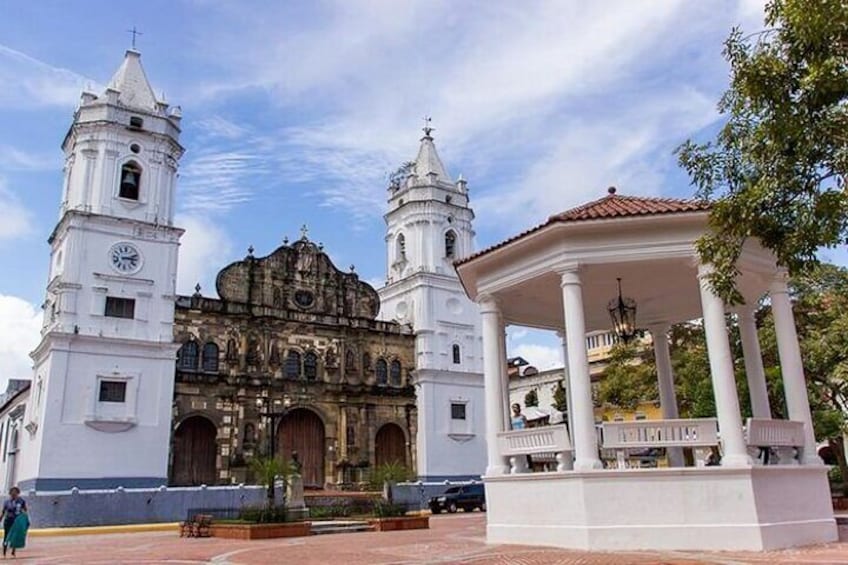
(130, 180)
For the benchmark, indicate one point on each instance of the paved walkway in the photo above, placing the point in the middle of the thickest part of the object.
(451, 539)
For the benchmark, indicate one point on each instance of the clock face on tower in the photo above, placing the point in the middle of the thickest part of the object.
(125, 258)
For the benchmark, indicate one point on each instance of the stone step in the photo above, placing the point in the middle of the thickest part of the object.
(340, 527)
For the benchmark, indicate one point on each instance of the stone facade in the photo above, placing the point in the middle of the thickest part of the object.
(293, 336)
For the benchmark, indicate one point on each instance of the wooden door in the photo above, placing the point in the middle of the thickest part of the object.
(390, 445)
(195, 451)
(301, 430)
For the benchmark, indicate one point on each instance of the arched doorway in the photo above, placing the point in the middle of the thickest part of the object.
(195, 451)
(390, 445)
(301, 430)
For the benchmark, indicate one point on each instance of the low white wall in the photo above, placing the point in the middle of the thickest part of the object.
(713, 508)
(136, 506)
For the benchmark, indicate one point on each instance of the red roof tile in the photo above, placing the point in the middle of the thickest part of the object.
(609, 207)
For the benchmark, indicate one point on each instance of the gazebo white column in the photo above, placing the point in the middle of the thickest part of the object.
(794, 384)
(665, 378)
(754, 371)
(493, 372)
(721, 370)
(583, 435)
(568, 460)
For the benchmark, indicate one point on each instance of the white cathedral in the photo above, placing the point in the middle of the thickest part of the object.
(100, 410)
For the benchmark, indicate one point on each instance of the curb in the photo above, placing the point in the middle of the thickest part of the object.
(97, 530)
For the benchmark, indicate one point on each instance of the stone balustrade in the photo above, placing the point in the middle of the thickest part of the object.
(700, 432)
(546, 439)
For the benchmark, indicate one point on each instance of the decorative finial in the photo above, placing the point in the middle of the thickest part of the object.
(134, 33)
(304, 232)
(611, 190)
(352, 268)
(286, 240)
(427, 129)
(320, 246)
(197, 289)
(250, 251)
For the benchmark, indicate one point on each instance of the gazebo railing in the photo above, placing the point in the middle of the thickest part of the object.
(700, 432)
(517, 444)
(787, 436)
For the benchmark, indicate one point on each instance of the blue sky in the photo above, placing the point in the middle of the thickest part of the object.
(294, 112)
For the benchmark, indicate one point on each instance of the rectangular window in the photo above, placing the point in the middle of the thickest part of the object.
(120, 307)
(113, 391)
(457, 411)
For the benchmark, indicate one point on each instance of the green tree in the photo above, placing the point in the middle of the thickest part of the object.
(531, 398)
(629, 378)
(777, 167)
(560, 398)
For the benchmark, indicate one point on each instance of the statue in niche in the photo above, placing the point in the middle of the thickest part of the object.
(369, 309)
(274, 358)
(330, 359)
(278, 298)
(253, 354)
(232, 351)
(305, 260)
(366, 361)
(350, 361)
(249, 436)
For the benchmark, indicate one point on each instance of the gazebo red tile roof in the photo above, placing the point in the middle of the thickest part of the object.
(611, 206)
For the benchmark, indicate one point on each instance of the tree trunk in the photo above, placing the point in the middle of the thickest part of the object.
(837, 445)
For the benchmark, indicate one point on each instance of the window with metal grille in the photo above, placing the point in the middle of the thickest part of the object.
(293, 365)
(113, 391)
(210, 358)
(120, 307)
(394, 373)
(381, 369)
(457, 354)
(457, 411)
(310, 366)
(187, 356)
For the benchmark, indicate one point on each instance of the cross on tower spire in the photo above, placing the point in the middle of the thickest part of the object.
(304, 232)
(427, 129)
(134, 33)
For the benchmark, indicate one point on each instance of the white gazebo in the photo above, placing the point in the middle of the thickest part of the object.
(562, 276)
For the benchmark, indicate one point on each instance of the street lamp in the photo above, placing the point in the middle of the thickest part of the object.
(623, 313)
(275, 411)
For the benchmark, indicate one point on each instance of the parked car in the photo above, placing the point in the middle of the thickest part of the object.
(467, 497)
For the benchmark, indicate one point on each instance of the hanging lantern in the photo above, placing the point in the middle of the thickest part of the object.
(623, 313)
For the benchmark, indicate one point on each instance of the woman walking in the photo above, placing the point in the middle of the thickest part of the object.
(15, 521)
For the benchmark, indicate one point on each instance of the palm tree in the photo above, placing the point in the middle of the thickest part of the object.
(387, 475)
(266, 470)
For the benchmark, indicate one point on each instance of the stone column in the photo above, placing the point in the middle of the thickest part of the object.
(794, 384)
(753, 363)
(721, 371)
(665, 381)
(583, 436)
(505, 381)
(568, 458)
(493, 369)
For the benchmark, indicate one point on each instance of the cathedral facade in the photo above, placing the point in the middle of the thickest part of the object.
(290, 360)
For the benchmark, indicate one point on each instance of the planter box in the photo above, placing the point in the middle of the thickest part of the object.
(400, 523)
(261, 531)
(840, 502)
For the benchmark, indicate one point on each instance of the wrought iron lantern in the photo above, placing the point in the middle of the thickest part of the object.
(623, 313)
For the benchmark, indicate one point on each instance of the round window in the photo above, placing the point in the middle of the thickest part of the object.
(304, 298)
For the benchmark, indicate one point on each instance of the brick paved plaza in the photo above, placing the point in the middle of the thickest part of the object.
(451, 539)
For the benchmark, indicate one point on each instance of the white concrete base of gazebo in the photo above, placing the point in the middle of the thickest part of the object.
(708, 508)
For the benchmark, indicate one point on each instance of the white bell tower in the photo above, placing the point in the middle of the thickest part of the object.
(429, 226)
(100, 411)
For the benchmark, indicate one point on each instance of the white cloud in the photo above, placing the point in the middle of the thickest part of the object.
(204, 249)
(20, 326)
(30, 83)
(12, 158)
(540, 356)
(16, 219)
(571, 96)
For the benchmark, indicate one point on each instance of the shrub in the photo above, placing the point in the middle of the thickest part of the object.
(384, 509)
(263, 514)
